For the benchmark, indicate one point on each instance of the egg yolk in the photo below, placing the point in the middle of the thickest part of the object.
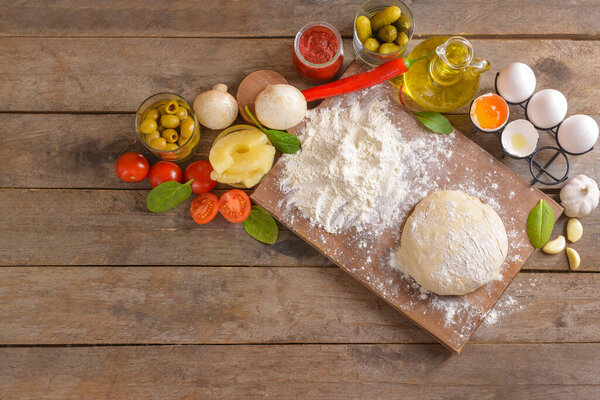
(489, 111)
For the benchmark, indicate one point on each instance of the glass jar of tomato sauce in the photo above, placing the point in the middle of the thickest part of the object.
(318, 52)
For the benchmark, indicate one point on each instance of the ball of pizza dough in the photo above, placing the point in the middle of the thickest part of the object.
(452, 243)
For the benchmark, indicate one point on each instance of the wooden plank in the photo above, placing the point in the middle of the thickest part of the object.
(98, 74)
(113, 227)
(80, 151)
(178, 305)
(284, 18)
(301, 371)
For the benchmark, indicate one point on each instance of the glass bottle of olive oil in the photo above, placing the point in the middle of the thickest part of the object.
(449, 78)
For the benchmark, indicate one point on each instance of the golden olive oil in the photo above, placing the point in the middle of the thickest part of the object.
(446, 80)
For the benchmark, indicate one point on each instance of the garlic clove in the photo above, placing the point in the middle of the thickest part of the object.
(555, 246)
(574, 259)
(574, 230)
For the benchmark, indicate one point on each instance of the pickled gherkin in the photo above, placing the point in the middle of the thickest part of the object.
(384, 17)
(403, 24)
(363, 28)
(371, 44)
(402, 39)
(387, 33)
(388, 48)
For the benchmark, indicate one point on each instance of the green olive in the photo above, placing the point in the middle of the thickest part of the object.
(363, 28)
(181, 113)
(171, 135)
(161, 110)
(161, 128)
(402, 39)
(181, 141)
(187, 127)
(151, 136)
(403, 24)
(387, 34)
(171, 107)
(153, 114)
(388, 48)
(371, 44)
(171, 147)
(169, 121)
(159, 143)
(385, 17)
(148, 126)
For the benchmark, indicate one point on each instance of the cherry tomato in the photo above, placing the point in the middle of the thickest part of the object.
(132, 167)
(204, 208)
(235, 206)
(164, 171)
(200, 171)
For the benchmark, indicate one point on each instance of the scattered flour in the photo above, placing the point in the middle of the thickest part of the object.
(353, 166)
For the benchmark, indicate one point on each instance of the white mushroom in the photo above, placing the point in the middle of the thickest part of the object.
(280, 106)
(215, 108)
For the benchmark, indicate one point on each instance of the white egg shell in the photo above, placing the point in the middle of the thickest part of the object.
(280, 106)
(520, 127)
(578, 133)
(516, 82)
(547, 108)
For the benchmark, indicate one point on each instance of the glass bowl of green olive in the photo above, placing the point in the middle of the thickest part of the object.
(382, 31)
(168, 127)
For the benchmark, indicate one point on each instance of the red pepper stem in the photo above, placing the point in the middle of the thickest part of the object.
(378, 75)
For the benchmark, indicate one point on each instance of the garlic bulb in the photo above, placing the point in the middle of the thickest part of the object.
(280, 106)
(215, 108)
(579, 196)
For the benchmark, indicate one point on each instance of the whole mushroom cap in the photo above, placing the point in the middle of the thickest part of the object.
(215, 108)
(280, 106)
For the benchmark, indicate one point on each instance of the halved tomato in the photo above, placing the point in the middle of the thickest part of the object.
(235, 206)
(204, 208)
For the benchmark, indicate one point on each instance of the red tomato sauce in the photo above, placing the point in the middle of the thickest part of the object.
(318, 45)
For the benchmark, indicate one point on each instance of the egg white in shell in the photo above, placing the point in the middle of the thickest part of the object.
(529, 138)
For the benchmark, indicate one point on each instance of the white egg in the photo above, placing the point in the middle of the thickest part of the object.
(547, 108)
(516, 82)
(520, 138)
(578, 133)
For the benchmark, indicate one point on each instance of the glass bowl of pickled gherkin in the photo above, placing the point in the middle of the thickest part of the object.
(382, 31)
(168, 127)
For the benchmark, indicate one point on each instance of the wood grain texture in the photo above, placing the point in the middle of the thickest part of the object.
(300, 371)
(80, 151)
(113, 227)
(179, 305)
(116, 74)
(232, 18)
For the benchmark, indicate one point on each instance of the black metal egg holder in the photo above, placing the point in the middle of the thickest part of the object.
(542, 168)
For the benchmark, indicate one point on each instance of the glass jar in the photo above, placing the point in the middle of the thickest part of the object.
(185, 148)
(323, 69)
(368, 9)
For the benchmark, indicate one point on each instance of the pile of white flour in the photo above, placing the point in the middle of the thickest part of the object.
(353, 169)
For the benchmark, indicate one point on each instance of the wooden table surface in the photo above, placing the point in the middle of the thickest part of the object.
(100, 299)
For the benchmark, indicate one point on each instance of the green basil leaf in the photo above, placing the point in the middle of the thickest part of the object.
(435, 122)
(261, 226)
(540, 223)
(283, 141)
(167, 195)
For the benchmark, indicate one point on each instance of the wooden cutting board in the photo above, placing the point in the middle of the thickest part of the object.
(451, 320)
